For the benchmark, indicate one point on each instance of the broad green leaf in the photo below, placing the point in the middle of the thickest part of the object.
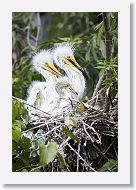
(24, 143)
(70, 134)
(16, 133)
(47, 153)
(20, 124)
(19, 111)
(109, 166)
(15, 111)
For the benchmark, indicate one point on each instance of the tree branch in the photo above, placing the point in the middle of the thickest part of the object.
(107, 36)
(108, 53)
(107, 50)
(38, 28)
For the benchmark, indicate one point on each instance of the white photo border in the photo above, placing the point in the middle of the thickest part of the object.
(123, 174)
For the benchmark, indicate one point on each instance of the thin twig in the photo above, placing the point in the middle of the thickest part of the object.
(79, 145)
(81, 157)
(38, 28)
(22, 32)
(108, 52)
(49, 132)
(34, 128)
(107, 36)
(92, 140)
(98, 86)
(24, 102)
(29, 32)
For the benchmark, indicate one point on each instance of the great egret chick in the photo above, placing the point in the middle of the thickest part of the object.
(64, 58)
(43, 94)
(43, 64)
(67, 95)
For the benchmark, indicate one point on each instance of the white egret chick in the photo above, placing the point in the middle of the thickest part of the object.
(43, 64)
(43, 94)
(64, 58)
(67, 95)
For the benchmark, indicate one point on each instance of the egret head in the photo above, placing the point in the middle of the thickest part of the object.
(43, 63)
(64, 57)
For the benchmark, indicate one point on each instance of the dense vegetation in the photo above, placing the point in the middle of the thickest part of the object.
(94, 36)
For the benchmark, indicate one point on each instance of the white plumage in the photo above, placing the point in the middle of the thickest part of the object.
(43, 94)
(35, 97)
(57, 94)
(67, 95)
(64, 58)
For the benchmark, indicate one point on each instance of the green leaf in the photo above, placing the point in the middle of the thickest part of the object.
(63, 162)
(17, 165)
(25, 157)
(19, 111)
(110, 166)
(87, 56)
(16, 132)
(98, 26)
(24, 143)
(102, 72)
(81, 108)
(14, 148)
(15, 111)
(24, 170)
(47, 153)
(70, 134)
(17, 127)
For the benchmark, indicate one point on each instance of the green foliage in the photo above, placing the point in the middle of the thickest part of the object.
(80, 108)
(16, 132)
(109, 166)
(111, 81)
(47, 153)
(20, 144)
(63, 163)
(18, 110)
(70, 134)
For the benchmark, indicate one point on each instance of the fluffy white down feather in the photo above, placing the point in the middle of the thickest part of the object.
(75, 76)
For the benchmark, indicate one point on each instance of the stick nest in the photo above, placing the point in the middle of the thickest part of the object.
(85, 140)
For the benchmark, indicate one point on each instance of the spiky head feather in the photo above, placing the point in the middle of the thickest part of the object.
(62, 50)
(43, 56)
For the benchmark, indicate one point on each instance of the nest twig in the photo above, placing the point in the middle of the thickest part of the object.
(92, 128)
(96, 131)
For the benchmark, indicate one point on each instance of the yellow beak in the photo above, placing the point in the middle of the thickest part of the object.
(72, 62)
(50, 67)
